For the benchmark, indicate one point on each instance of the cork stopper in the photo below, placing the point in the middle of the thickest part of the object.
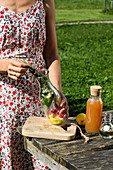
(95, 90)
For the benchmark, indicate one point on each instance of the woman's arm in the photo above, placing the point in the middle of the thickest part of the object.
(51, 52)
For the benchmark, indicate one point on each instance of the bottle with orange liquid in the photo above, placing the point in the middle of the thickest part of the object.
(94, 110)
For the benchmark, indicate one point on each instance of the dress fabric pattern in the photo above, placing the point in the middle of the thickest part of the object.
(21, 35)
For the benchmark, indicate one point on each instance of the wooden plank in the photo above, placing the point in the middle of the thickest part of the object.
(99, 160)
(58, 151)
(108, 111)
(74, 146)
(40, 143)
(43, 157)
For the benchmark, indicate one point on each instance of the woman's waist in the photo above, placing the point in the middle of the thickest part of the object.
(20, 54)
(33, 57)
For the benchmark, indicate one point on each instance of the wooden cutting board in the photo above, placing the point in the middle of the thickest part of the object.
(41, 127)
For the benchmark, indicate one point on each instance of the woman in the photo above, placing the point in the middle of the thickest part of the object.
(27, 30)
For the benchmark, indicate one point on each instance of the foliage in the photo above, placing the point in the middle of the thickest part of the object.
(108, 11)
(86, 53)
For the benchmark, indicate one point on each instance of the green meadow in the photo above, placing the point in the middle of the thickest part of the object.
(79, 10)
(86, 53)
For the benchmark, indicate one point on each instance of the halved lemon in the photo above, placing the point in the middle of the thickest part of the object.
(55, 119)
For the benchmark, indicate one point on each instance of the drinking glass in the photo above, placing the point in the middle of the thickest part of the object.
(106, 129)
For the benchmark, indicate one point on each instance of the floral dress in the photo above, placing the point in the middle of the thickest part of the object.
(21, 35)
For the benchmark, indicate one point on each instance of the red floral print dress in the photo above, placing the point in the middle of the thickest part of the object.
(21, 35)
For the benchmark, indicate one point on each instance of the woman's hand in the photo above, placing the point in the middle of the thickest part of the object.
(64, 106)
(16, 69)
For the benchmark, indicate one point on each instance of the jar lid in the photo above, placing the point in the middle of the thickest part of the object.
(95, 90)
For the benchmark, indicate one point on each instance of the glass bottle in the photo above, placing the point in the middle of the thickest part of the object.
(94, 110)
(49, 95)
(106, 130)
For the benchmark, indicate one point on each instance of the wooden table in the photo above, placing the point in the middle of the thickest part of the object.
(72, 155)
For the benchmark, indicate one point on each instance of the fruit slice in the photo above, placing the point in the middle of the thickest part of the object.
(55, 119)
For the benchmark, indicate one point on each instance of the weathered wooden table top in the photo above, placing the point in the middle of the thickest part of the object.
(74, 154)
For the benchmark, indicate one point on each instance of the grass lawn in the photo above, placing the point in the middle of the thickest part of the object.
(79, 10)
(76, 15)
(86, 53)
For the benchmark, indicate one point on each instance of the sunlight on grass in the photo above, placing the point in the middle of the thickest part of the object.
(81, 15)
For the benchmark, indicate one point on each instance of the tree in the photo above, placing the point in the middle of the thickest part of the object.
(104, 4)
(111, 4)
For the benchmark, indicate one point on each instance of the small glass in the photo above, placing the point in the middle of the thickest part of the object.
(106, 129)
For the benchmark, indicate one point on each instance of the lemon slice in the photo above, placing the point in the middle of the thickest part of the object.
(55, 119)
